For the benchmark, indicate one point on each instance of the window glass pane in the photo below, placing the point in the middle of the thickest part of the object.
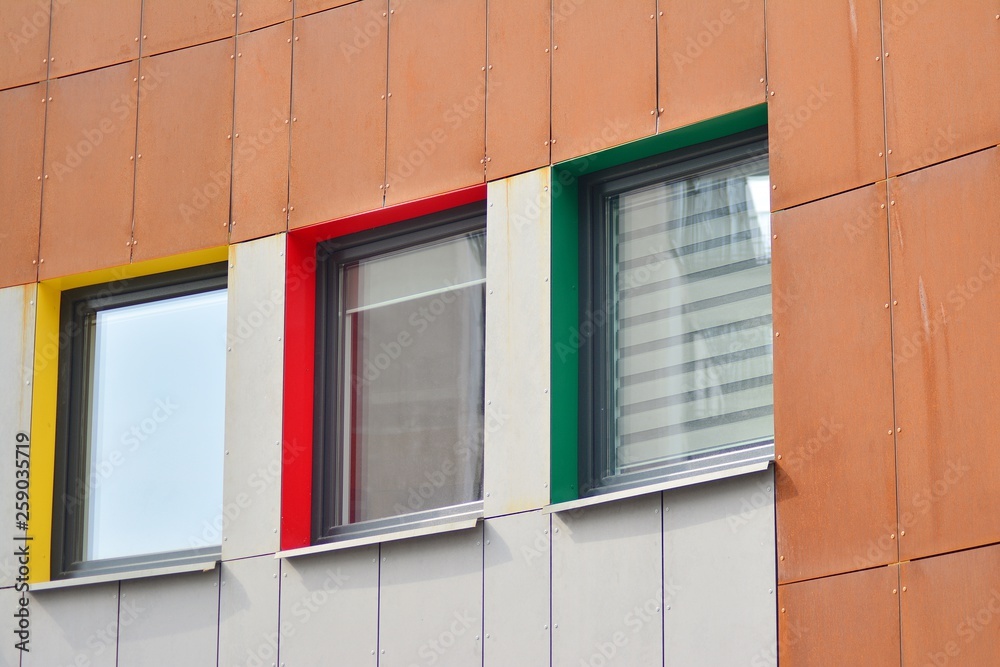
(156, 426)
(693, 340)
(412, 354)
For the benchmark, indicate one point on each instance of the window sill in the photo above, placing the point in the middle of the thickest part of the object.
(203, 566)
(656, 487)
(404, 532)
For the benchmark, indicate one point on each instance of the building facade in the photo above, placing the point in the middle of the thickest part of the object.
(499, 332)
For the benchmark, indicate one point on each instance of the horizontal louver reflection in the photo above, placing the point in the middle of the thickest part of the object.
(693, 343)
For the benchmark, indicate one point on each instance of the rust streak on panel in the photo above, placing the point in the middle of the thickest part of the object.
(184, 155)
(90, 169)
(836, 505)
(603, 75)
(338, 111)
(849, 619)
(517, 104)
(436, 139)
(825, 118)
(942, 84)
(97, 33)
(260, 154)
(22, 130)
(946, 282)
(711, 59)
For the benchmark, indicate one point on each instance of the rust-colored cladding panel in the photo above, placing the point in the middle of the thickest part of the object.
(184, 159)
(90, 171)
(517, 94)
(436, 139)
(256, 14)
(711, 59)
(946, 282)
(338, 103)
(603, 75)
(951, 608)
(260, 154)
(303, 7)
(849, 619)
(942, 81)
(836, 504)
(175, 24)
(826, 120)
(24, 28)
(22, 134)
(92, 34)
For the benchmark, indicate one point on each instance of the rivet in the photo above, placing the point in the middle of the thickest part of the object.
(491, 66)
(782, 610)
(142, 78)
(890, 431)
(781, 558)
(41, 261)
(487, 495)
(774, 236)
(880, 155)
(772, 93)
(239, 55)
(553, 141)
(296, 38)
(137, 39)
(893, 202)
(46, 175)
(237, 135)
(779, 457)
(886, 305)
(887, 55)
(390, 94)
(901, 534)
(229, 136)
(895, 302)
(899, 429)
(555, 48)
(653, 112)
(774, 187)
(483, 68)
(139, 155)
(877, 58)
(487, 542)
(904, 589)
(546, 50)
(131, 157)
(893, 591)
(292, 208)
(134, 79)
(661, 109)
(762, 79)
(776, 334)
(546, 143)
(892, 536)
(890, 151)
(881, 205)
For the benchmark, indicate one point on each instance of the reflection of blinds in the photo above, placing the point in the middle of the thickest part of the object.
(694, 316)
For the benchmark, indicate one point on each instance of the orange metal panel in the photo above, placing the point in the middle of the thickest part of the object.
(950, 609)
(338, 139)
(826, 119)
(89, 171)
(255, 14)
(22, 133)
(183, 165)
(517, 94)
(836, 505)
(87, 35)
(303, 7)
(946, 282)
(941, 84)
(603, 75)
(850, 619)
(436, 139)
(260, 156)
(711, 59)
(175, 24)
(24, 28)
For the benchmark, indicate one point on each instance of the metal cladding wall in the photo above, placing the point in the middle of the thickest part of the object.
(134, 130)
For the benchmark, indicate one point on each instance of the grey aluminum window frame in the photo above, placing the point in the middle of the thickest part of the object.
(77, 311)
(328, 419)
(596, 375)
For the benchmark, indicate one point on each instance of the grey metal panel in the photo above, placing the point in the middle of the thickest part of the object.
(8, 654)
(252, 473)
(516, 590)
(607, 584)
(720, 573)
(174, 621)
(74, 626)
(431, 601)
(516, 457)
(248, 612)
(17, 343)
(329, 609)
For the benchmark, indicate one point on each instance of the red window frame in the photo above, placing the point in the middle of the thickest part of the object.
(300, 343)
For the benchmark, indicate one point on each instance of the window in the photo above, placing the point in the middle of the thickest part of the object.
(400, 387)
(676, 288)
(140, 422)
